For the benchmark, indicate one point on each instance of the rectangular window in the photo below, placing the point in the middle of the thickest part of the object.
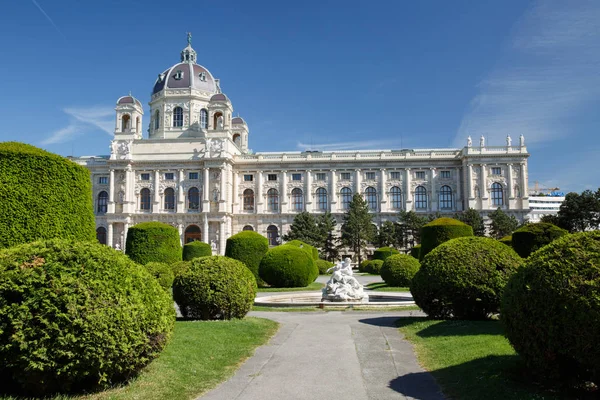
(445, 174)
(395, 175)
(169, 176)
(420, 174)
(145, 177)
(345, 176)
(193, 175)
(296, 177)
(321, 176)
(272, 177)
(248, 178)
(370, 175)
(103, 180)
(496, 171)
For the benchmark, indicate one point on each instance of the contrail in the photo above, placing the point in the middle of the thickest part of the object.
(48, 18)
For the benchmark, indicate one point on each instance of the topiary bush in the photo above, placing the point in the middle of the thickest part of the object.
(43, 196)
(162, 272)
(374, 267)
(362, 267)
(179, 267)
(464, 278)
(551, 309)
(248, 247)
(77, 316)
(531, 237)
(323, 266)
(384, 252)
(314, 253)
(153, 241)
(439, 231)
(399, 269)
(416, 252)
(287, 266)
(215, 287)
(196, 249)
(507, 240)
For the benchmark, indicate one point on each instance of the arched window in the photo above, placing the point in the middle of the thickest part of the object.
(169, 196)
(248, 200)
(102, 202)
(145, 200)
(101, 235)
(203, 119)
(248, 228)
(297, 200)
(177, 117)
(396, 197)
(157, 120)
(237, 139)
(272, 200)
(346, 194)
(125, 119)
(193, 199)
(420, 198)
(445, 198)
(497, 194)
(322, 199)
(218, 121)
(192, 233)
(371, 198)
(273, 235)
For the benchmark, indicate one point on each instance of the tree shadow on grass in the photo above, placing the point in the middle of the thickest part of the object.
(381, 321)
(453, 327)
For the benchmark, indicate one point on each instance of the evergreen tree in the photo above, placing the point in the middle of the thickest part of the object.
(387, 235)
(329, 241)
(409, 231)
(473, 218)
(357, 229)
(304, 228)
(501, 224)
(579, 212)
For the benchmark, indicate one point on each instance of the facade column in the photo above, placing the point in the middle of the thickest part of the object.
(205, 188)
(357, 181)
(483, 189)
(408, 200)
(180, 228)
(382, 195)
(511, 195)
(259, 193)
(333, 191)
(129, 202)
(222, 238)
(109, 235)
(111, 192)
(308, 191)
(234, 193)
(283, 191)
(156, 205)
(470, 181)
(180, 195)
(459, 195)
(205, 232)
(525, 181)
(223, 188)
(433, 203)
(125, 230)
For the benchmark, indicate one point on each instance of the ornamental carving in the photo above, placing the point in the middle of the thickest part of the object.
(165, 185)
(391, 184)
(120, 149)
(499, 179)
(143, 185)
(294, 185)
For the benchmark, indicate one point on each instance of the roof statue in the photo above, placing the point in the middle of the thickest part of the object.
(189, 38)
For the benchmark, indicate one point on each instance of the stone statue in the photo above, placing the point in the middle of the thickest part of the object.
(189, 38)
(215, 194)
(213, 246)
(220, 122)
(508, 141)
(118, 246)
(481, 141)
(342, 286)
(469, 142)
(522, 140)
(114, 147)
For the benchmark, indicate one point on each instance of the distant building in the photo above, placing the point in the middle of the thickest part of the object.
(544, 205)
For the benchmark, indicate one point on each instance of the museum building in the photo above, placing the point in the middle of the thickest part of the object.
(194, 171)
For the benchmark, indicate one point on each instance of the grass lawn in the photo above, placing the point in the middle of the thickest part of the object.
(200, 355)
(471, 360)
(383, 287)
(313, 286)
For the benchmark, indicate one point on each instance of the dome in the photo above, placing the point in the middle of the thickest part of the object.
(128, 100)
(238, 121)
(186, 75)
(219, 97)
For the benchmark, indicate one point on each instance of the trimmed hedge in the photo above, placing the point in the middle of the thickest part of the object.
(464, 278)
(362, 267)
(323, 266)
(77, 316)
(179, 267)
(507, 240)
(215, 287)
(43, 196)
(314, 253)
(531, 237)
(441, 230)
(196, 249)
(287, 266)
(551, 309)
(384, 252)
(374, 267)
(248, 247)
(162, 272)
(153, 241)
(399, 269)
(416, 252)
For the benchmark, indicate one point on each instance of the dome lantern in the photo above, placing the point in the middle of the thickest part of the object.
(189, 54)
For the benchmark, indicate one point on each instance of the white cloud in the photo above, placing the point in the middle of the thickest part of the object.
(82, 120)
(549, 71)
(48, 17)
(358, 145)
(64, 134)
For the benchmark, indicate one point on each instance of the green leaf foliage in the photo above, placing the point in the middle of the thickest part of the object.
(441, 230)
(507, 240)
(311, 251)
(579, 212)
(153, 241)
(551, 309)
(416, 252)
(196, 249)
(323, 266)
(43, 196)
(374, 266)
(399, 269)
(501, 224)
(287, 266)
(474, 219)
(162, 272)
(305, 229)
(531, 237)
(384, 252)
(248, 247)
(410, 228)
(215, 287)
(357, 229)
(362, 267)
(77, 316)
(464, 278)
(179, 267)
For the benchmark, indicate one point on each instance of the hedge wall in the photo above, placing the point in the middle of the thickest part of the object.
(196, 249)
(531, 237)
(248, 247)
(439, 231)
(153, 241)
(43, 196)
(384, 252)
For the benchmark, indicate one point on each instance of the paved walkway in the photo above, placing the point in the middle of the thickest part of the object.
(331, 355)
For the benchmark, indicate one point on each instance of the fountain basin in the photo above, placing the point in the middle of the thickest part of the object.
(313, 299)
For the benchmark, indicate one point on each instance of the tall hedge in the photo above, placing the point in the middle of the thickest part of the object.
(287, 266)
(439, 231)
(248, 247)
(416, 251)
(196, 249)
(75, 316)
(531, 237)
(153, 241)
(384, 252)
(43, 196)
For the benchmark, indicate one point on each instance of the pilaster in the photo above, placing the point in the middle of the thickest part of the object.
(283, 191)
(333, 191)
(408, 199)
(111, 194)
(383, 205)
(307, 191)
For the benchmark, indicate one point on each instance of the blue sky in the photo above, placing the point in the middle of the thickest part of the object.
(321, 74)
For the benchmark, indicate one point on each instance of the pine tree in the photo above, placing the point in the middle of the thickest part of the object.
(501, 224)
(473, 218)
(357, 229)
(388, 235)
(304, 228)
(410, 228)
(329, 242)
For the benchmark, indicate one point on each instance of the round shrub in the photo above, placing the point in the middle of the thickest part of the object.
(464, 278)
(314, 253)
(196, 249)
(362, 267)
(374, 267)
(215, 287)
(76, 316)
(551, 309)
(416, 252)
(439, 231)
(153, 241)
(399, 269)
(531, 237)
(43, 196)
(507, 240)
(323, 266)
(384, 252)
(248, 247)
(162, 272)
(287, 266)
(179, 267)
